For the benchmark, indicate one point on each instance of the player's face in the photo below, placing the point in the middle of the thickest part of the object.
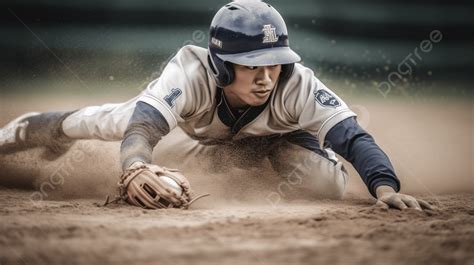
(252, 85)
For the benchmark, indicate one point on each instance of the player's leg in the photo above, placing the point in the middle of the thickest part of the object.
(57, 130)
(35, 129)
(298, 158)
(107, 122)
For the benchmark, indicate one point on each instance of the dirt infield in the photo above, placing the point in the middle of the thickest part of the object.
(317, 232)
(49, 211)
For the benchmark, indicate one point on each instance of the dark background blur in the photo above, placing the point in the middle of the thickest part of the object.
(99, 44)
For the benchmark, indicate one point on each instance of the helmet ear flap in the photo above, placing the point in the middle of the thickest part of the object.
(223, 71)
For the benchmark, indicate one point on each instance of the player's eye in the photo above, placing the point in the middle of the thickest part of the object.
(252, 67)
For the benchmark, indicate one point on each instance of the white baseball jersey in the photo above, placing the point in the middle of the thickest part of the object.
(187, 96)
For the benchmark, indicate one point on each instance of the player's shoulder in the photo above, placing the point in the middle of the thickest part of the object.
(192, 52)
(301, 75)
(185, 82)
(301, 86)
(301, 81)
(191, 64)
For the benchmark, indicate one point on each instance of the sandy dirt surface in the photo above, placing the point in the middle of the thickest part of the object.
(49, 211)
(317, 232)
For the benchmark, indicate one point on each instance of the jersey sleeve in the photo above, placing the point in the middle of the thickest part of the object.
(317, 108)
(358, 147)
(177, 92)
(145, 129)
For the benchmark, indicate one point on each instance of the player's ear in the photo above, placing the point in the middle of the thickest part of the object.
(211, 65)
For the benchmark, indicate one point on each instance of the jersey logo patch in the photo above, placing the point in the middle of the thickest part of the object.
(174, 94)
(325, 99)
(269, 34)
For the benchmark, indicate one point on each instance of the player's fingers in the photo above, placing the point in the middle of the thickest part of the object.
(411, 203)
(425, 205)
(397, 203)
(381, 204)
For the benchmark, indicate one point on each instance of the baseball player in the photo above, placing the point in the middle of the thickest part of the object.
(247, 94)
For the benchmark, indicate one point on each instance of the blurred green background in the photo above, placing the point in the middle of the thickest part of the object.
(83, 47)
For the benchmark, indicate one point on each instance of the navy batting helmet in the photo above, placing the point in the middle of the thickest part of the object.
(248, 32)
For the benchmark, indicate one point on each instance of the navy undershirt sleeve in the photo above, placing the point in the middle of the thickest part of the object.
(358, 147)
(146, 127)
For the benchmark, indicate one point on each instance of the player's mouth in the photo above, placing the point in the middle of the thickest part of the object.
(262, 93)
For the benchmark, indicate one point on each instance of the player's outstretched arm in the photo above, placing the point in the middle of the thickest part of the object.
(142, 184)
(388, 197)
(145, 129)
(358, 147)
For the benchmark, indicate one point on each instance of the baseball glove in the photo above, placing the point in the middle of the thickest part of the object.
(141, 185)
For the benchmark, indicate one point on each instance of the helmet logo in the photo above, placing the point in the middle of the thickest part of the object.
(270, 34)
(216, 42)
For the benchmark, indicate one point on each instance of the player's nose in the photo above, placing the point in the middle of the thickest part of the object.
(264, 75)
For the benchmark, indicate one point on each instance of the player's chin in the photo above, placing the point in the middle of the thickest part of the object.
(256, 103)
(258, 99)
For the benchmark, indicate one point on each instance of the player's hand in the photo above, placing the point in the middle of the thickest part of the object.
(154, 187)
(387, 197)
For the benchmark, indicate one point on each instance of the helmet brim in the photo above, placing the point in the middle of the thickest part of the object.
(263, 57)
